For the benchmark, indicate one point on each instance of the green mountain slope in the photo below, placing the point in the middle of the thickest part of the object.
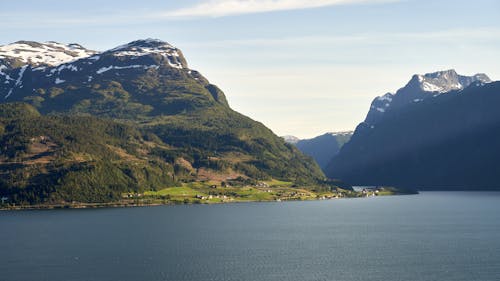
(47, 159)
(126, 120)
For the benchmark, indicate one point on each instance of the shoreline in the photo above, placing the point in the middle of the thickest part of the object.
(129, 204)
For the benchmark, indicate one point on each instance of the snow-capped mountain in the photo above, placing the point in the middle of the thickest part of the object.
(26, 66)
(440, 132)
(420, 88)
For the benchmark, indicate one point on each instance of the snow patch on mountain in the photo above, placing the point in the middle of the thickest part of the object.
(387, 97)
(428, 87)
(146, 47)
(18, 81)
(448, 80)
(291, 139)
(341, 133)
(7, 76)
(63, 67)
(108, 68)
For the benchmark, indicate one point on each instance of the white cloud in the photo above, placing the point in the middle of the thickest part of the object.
(220, 8)
(204, 8)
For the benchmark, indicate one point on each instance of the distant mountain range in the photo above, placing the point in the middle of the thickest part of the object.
(321, 148)
(87, 126)
(439, 132)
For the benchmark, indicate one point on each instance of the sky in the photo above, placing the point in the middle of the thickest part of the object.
(301, 67)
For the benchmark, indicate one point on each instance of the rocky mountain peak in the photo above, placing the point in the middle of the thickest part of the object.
(445, 81)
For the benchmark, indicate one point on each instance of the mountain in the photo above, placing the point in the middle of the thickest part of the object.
(440, 132)
(141, 79)
(136, 105)
(323, 148)
(420, 88)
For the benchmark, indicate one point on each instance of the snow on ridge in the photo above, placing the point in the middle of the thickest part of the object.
(49, 53)
(142, 51)
(387, 97)
(146, 47)
(429, 87)
(107, 68)
(141, 43)
(55, 54)
(171, 54)
(341, 133)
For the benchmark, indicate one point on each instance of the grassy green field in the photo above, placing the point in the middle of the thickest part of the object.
(208, 192)
(181, 191)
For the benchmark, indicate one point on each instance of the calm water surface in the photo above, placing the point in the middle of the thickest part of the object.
(431, 236)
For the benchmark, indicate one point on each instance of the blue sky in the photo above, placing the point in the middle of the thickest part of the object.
(300, 67)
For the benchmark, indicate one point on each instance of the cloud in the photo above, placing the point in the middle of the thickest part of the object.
(204, 8)
(220, 8)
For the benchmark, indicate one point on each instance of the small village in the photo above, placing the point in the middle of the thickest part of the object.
(210, 193)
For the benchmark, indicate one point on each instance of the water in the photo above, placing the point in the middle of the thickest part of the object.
(432, 236)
